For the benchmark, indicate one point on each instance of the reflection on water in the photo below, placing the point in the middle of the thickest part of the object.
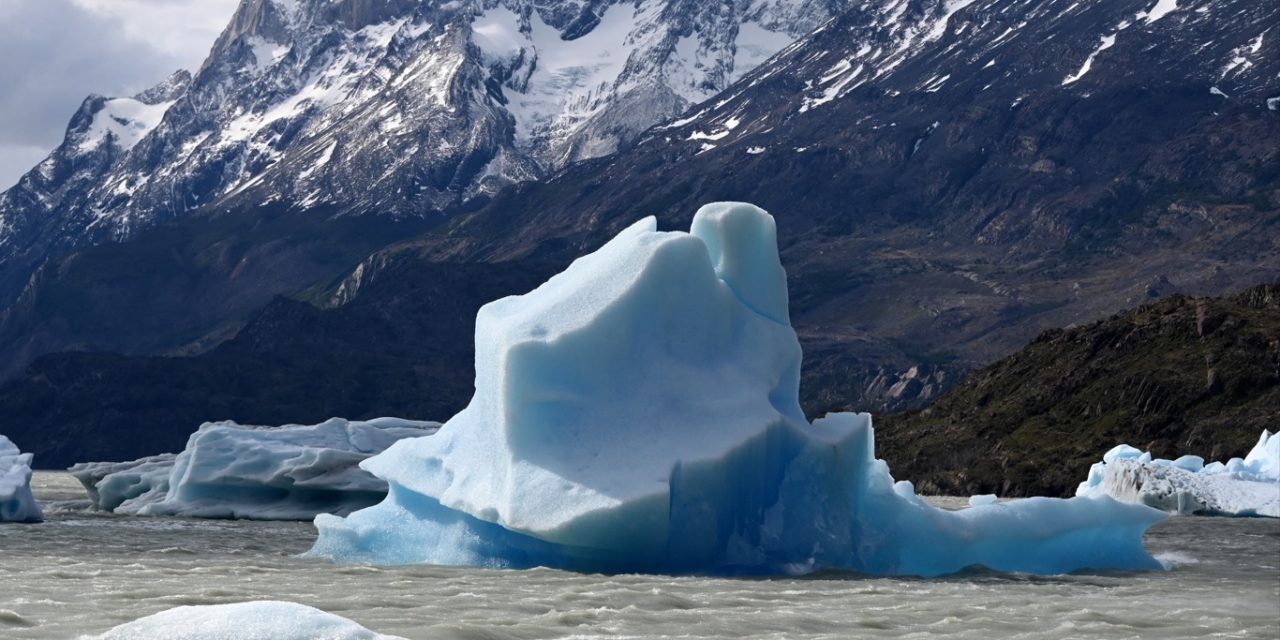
(84, 573)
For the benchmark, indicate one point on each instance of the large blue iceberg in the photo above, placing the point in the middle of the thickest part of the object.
(639, 413)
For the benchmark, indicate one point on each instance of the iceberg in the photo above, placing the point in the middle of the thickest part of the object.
(125, 486)
(229, 470)
(1248, 486)
(262, 620)
(16, 502)
(639, 413)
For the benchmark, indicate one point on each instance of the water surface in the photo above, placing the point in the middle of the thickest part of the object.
(82, 573)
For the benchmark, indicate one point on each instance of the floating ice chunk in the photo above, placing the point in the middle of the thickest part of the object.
(231, 471)
(16, 502)
(1121, 451)
(978, 501)
(639, 412)
(1189, 463)
(263, 620)
(126, 486)
(1245, 487)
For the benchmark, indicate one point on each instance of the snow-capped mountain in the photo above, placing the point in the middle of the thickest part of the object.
(970, 49)
(397, 107)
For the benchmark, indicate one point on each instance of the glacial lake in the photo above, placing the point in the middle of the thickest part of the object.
(83, 573)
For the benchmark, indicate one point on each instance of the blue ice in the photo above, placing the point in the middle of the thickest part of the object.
(639, 413)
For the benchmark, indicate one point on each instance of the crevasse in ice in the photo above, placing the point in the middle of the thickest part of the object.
(639, 412)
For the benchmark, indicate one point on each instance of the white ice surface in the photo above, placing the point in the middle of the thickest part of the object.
(231, 471)
(16, 502)
(639, 412)
(262, 620)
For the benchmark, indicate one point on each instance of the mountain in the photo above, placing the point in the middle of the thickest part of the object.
(1178, 376)
(308, 112)
(948, 183)
(399, 108)
(950, 179)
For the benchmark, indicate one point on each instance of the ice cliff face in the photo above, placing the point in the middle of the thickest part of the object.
(639, 412)
(398, 107)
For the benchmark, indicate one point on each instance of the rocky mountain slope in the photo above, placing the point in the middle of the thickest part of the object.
(931, 224)
(400, 108)
(973, 184)
(1181, 375)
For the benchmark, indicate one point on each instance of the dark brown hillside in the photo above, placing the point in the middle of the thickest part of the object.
(1181, 375)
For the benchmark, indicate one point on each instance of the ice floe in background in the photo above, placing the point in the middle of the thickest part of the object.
(262, 620)
(1248, 486)
(16, 502)
(639, 413)
(232, 471)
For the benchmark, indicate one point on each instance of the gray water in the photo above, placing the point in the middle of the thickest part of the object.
(82, 573)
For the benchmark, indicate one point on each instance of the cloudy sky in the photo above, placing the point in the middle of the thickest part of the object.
(54, 53)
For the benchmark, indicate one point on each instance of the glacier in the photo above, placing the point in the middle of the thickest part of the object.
(16, 502)
(1248, 486)
(259, 620)
(228, 470)
(639, 412)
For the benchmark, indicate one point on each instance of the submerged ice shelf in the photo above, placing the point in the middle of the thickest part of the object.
(1248, 486)
(16, 502)
(233, 471)
(639, 413)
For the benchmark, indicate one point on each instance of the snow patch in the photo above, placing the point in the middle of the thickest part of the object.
(126, 120)
(753, 45)
(1107, 42)
(1162, 9)
(569, 76)
(265, 52)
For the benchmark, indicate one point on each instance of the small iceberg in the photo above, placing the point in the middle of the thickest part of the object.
(639, 412)
(229, 470)
(263, 620)
(1248, 486)
(16, 502)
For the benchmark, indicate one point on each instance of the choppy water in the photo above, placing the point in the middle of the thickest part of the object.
(84, 573)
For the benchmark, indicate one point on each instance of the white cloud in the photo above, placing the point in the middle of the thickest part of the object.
(54, 53)
(182, 29)
(17, 159)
